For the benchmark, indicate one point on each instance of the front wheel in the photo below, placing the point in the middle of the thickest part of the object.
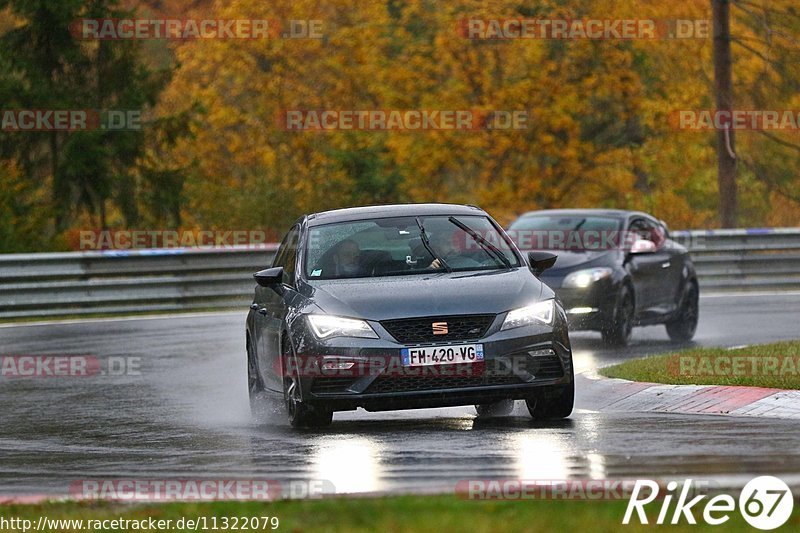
(255, 386)
(553, 404)
(300, 413)
(618, 331)
(500, 408)
(683, 328)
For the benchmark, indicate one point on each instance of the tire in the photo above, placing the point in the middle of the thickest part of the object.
(683, 328)
(555, 404)
(618, 332)
(500, 408)
(255, 386)
(300, 413)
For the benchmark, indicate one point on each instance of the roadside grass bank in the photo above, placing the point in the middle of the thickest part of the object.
(774, 365)
(395, 514)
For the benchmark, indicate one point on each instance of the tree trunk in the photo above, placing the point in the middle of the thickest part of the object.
(723, 84)
(59, 188)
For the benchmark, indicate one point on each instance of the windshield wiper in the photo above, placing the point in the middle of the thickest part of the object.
(427, 244)
(487, 246)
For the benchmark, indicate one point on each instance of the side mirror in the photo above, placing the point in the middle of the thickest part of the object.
(643, 246)
(270, 277)
(541, 261)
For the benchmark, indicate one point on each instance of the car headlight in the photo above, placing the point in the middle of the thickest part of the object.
(580, 279)
(538, 313)
(326, 326)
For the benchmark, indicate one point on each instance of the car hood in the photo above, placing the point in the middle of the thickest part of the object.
(570, 261)
(427, 294)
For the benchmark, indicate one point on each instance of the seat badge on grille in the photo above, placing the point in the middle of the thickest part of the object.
(439, 328)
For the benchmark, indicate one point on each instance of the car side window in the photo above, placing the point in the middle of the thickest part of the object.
(291, 257)
(659, 234)
(280, 255)
(648, 230)
(287, 255)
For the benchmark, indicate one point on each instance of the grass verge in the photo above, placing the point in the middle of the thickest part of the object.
(768, 365)
(400, 513)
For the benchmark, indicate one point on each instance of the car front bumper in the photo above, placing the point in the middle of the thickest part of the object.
(518, 363)
(589, 308)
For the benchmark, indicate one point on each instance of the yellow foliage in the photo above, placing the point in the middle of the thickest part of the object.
(597, 135)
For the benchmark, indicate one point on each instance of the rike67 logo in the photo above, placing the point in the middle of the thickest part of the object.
(765, 503)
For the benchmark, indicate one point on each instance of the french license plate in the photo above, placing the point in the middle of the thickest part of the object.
(442, 355)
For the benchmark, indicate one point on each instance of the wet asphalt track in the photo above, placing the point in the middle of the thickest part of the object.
(187, 416)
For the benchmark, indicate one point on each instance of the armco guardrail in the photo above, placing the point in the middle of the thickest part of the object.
(766, 259)
(120, 282)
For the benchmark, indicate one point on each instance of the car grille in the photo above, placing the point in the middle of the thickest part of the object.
(459, 328)
(384, 385)
(492, 372)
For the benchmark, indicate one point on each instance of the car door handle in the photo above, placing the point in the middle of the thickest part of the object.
(666, 265)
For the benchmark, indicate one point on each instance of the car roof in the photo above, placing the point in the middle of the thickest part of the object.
(616, 213)
(387, 211)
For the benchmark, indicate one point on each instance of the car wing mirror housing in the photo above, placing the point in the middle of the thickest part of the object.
(643, 246)
(270, 278)
(541, 261)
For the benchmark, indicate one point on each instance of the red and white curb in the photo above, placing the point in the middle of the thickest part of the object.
(607, 394)
(26, 499)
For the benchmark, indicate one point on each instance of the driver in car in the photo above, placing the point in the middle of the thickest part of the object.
(443, 245)
(346, 260)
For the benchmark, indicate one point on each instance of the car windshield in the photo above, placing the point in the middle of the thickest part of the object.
(567, 232)
(406, 245)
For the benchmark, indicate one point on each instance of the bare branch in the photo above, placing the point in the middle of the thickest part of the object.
(780, 141)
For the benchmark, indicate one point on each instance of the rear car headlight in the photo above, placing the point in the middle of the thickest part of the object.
(327, 326)
(538, 313)
(580, 279)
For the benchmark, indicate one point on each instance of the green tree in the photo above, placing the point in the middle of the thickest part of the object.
(87, 172)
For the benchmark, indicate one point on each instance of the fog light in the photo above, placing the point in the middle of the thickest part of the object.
(337, 365)
(581, 310)
(541, 353)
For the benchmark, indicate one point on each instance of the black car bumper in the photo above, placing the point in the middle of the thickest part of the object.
(589, 308)
(435, 398)
(518, 363)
